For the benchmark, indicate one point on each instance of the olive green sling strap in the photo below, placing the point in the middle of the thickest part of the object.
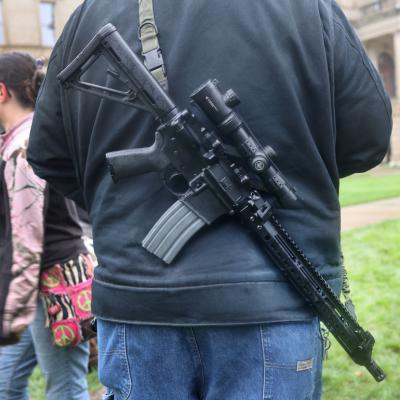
(148, 35)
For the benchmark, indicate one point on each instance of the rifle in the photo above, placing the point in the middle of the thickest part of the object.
(213, 173)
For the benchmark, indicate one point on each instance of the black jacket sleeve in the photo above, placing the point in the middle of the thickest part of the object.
(50, 150)
(363, 109)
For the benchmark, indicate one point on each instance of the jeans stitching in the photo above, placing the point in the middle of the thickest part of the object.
(320, 345)
(196, 348)
(264, 362)
(290, 367)
(322, 340)
(267, 384)
(125, 392)
(113, 352)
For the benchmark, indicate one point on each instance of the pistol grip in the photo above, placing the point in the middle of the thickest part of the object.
(133, 162)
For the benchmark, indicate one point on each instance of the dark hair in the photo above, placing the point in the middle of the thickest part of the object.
(22, 77)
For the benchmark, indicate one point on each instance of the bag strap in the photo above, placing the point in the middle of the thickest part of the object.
(148, 35)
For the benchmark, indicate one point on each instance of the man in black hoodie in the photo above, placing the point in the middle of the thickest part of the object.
(220, 322)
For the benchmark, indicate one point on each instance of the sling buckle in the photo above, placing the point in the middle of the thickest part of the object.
(153, 60)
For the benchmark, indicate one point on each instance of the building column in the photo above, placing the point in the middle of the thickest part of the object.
(21, 21)
(396, 101)
(373, 53)
(396, 42)
(63, 11)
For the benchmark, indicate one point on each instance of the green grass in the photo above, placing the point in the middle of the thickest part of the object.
(364, 188)
(37, 385)
(372, 256)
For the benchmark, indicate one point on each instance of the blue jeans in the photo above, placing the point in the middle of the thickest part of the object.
(64, 369)
(281, 361)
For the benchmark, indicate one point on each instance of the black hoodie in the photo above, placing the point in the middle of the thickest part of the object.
(307, 89)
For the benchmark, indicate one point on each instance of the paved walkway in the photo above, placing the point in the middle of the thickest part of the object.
(370, 213)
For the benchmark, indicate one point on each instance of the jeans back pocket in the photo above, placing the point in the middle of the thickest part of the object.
(114, 371)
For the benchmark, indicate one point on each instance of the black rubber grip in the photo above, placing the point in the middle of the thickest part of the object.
(134, 162)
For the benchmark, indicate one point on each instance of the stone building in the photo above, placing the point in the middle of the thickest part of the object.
(378, 25)
(34, 25)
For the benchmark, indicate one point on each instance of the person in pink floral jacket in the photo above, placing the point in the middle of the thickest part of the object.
(40, 246)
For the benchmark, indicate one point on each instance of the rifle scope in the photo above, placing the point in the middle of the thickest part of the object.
(218, 107)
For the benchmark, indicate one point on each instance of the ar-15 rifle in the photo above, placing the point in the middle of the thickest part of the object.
(212, 173)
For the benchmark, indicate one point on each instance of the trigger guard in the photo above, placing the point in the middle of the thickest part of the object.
(175, 182)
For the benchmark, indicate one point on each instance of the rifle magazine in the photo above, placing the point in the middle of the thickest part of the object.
(172, 231)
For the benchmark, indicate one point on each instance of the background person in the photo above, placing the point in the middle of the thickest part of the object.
(39, 232)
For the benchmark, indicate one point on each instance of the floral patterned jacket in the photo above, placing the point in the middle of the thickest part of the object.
(21, 233)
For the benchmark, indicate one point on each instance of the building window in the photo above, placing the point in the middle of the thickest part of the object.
(2, 40)
(47, 23)
(387, 71)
